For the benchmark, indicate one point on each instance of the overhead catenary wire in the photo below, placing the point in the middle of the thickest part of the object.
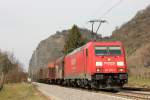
(105, 13)
(111, 8)
(100, 8)
(100, 21)
(108, 10)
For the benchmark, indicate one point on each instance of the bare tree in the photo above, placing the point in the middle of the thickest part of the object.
(5, 66)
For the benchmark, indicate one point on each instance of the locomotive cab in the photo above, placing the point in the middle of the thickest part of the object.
(97, 65)
(110, 66)
(109, 59)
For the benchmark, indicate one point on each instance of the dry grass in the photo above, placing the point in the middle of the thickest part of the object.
(20, 91)
(139, 82)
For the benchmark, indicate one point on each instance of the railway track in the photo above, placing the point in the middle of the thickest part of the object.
(129, 93)
(126, 92)
(136, 89)
(136, 95)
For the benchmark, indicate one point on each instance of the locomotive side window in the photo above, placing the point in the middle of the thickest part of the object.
(101, 50)
(115, 50)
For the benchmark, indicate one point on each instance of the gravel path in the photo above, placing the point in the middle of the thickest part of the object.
(62, 93)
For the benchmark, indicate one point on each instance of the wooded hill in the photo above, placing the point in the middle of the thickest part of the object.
(135, 35)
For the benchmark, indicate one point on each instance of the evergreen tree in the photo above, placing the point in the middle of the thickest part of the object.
(74, 40)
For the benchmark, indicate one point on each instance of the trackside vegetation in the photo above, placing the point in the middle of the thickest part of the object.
(11, 70)
(20, 91)
(138, 82)
(73, 40)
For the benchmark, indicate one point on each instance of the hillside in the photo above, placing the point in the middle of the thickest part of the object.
(135, 35)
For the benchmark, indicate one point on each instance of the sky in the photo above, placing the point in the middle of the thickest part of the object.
(24, 23)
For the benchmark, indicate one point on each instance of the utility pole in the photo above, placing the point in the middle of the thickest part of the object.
(93, 22)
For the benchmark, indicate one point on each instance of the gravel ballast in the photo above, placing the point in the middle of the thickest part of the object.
(63, 93)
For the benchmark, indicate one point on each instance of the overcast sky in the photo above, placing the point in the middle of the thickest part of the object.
(24, 23)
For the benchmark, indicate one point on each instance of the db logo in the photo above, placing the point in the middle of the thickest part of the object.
(108, 59)
(73, 62)
(109, 63)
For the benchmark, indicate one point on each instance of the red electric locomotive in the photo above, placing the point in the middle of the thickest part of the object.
(96, 65)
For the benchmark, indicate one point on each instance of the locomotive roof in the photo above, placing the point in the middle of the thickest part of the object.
(95, 43)
(107, 43)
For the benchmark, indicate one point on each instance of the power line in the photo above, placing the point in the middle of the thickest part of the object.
(100, 8)
(103, 21)
(110, 9)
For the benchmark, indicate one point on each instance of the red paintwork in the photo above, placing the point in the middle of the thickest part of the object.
(51, 65)
(78, 63)
(51, 70)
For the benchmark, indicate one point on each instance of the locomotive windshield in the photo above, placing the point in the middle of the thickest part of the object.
(101, 50)
(108, 50)
(114, 50)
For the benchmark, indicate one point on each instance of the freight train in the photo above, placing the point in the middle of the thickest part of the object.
(97, 65)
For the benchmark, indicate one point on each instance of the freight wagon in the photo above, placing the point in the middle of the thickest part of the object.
(47, 74)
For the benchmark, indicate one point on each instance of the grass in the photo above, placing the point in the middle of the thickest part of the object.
(139, 82)
(20, 91)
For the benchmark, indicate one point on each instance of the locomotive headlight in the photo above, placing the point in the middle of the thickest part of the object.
(121, 69)
(120, 63)
(97, 69)
(99, 64)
